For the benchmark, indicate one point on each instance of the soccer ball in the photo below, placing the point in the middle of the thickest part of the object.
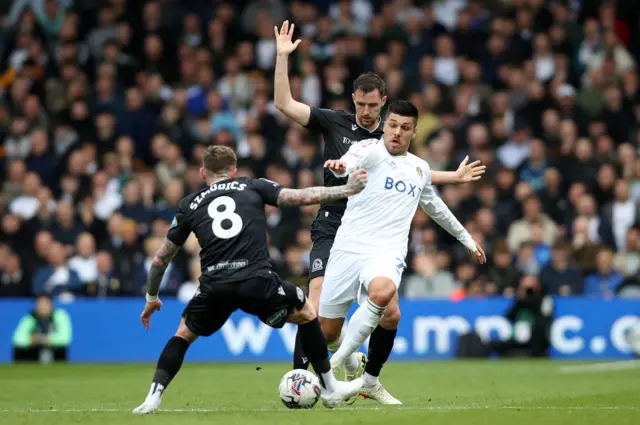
(299, 389)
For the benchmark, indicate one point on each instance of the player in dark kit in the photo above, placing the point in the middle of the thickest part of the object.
(229, 222)
(340, 130)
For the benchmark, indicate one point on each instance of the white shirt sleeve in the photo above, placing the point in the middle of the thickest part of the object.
(442, 215)
(359, 155)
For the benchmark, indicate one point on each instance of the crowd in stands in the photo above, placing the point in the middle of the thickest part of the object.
(107, 106)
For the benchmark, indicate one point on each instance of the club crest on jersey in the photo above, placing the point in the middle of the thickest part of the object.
(419, 170)
(317, 265)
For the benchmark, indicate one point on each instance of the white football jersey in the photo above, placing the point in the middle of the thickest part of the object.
(379, 218)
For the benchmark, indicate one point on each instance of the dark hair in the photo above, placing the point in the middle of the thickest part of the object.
(218, 159)
(403, 108)
(369, 82)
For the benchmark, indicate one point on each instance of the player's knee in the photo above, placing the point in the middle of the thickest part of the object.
(184, 333)
(381, 291)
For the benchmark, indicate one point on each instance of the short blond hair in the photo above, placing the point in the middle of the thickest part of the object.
(219, 159)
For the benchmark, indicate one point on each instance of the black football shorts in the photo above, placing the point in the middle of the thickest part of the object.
(269, 298)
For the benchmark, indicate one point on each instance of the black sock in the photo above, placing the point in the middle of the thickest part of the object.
(380, 346)
(315, 347)
(169, 362)
(299, 359)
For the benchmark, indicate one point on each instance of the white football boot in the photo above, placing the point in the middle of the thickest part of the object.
(343, 391)
(362, 363)
(152, 403)
(378, 393)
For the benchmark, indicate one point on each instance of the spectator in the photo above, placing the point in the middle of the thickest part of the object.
(541, 249)
(14, 279)
(517, 149)
(106, 282)
(432, 278)
(127, 255)
(560, 277)
(621, 214)
(133, 206)
(56, 278)
(531, 315)
(26, 205)
(605, 280)
(627, 261)
(66, 229)
(503, 273)
(520, 230)
(85, 262)
(171, 165)
(44, 334)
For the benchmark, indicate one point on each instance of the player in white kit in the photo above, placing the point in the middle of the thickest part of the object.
(367, 257)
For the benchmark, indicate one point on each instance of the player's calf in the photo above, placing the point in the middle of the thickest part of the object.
(366, 318)
(300, 360)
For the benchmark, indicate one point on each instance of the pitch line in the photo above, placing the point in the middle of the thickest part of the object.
(361, 408)
(600, 367)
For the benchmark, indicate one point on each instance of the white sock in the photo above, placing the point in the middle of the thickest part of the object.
(351, 363)
(361, 325)
(156, 390)
(370, 380)
(329, 381)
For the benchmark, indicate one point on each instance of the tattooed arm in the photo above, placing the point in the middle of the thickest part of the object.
(160, 262)
(315, 195)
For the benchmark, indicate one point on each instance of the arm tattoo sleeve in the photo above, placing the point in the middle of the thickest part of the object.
(313, 195)
(161, 261)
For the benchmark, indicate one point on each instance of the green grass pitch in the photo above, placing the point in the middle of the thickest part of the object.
(443, 393)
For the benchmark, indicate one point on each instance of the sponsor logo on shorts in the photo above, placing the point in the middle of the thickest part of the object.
(300, 294)
(401, 265)
(317, 265)
(236, 264)
(277, 319)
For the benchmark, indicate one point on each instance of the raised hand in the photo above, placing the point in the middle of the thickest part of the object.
(357, 180)
(470, 172)
(284, 39)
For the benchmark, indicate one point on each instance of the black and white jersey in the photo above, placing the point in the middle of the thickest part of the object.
(339, 130)
(229, 221)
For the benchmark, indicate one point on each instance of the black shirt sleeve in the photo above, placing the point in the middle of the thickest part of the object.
(180, 227)
(268, 190)
(321, 120)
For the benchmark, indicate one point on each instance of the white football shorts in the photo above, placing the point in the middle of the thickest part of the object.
(347, 278)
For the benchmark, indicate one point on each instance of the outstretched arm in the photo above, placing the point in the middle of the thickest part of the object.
(316, 195)
(159, 265)
(284, 101)
(442, 215)
(464, 174)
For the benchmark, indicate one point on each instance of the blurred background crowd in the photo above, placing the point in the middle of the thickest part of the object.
(107, 106)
